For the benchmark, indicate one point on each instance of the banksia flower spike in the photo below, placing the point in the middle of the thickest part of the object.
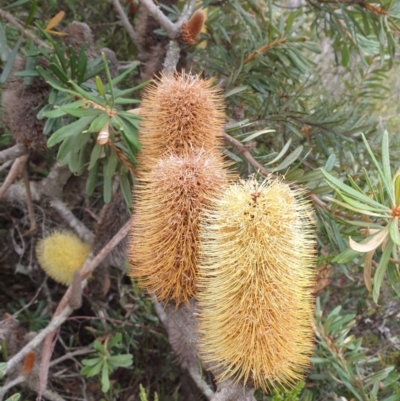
(180, 113)
(22, 103)
(164, 246)
(255, 283)
(61, 254)
(191, 29)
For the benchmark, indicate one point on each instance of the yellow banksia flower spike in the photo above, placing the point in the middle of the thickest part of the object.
(255, 283)
(164, 239)
(180, 113)
(61, 254)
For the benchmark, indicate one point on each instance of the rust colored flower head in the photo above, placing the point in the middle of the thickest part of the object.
(191, 29)
(255, 282)
(61, 254)
(164, 239)
(180, 113)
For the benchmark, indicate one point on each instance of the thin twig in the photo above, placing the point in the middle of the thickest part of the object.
(84, 233)
(127, 25)
(12, 153)
(3, 390)
(244, 150)
(55, 322)
(6, 165)
(70, 355)
(169, 27)
(29, 203)
(14, 172)
(8, 17)
(52, 396)
(264, 48)
(26, 306)
(160, 311)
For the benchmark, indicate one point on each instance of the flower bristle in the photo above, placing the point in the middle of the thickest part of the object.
(164, 238)
(61, 254)
(255, 282)
(180, 113)
(191, 29)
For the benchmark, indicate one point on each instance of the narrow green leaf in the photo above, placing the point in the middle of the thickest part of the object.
(95, 155)
(126, 92)
(346, 256)
(330, 163)
(383, 210)
(75, 112)
(54, 113)
(98, 123)
(108, 75)
(105, 380)
(100, 87)
(397, 187)
(386, 183)
(361, 197)
(381, 269)
(123, 360)
(93, 72)
(281, 153)
(90, 371)
(126, 189)
(72, 62)
(91, 361)
(394, 231)
(107, 189)
(291, 158)
(354, 209)
(10, 61)
(394, 278)
(129, 132)
(256, 134)
(59, 73)
(111, 163)
(92, 179)
(69, 130)
(235, 91)
(16, 4)
(86, 95)
(385, 157)
(73, 161)
(122, 76)
(126, 101)
(81, 64)
(3, 44)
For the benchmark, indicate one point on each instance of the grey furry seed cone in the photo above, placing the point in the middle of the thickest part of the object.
(22, 103)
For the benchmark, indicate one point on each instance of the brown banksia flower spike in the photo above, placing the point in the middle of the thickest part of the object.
(180, 113)
(256, 275)
(191, 29)
(164, 239)
(22, 104)
(61, 254)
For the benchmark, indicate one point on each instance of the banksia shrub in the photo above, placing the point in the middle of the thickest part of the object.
(164, 244)
(61, 254)
(180, 113)
(191, 29)
(255, 282)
